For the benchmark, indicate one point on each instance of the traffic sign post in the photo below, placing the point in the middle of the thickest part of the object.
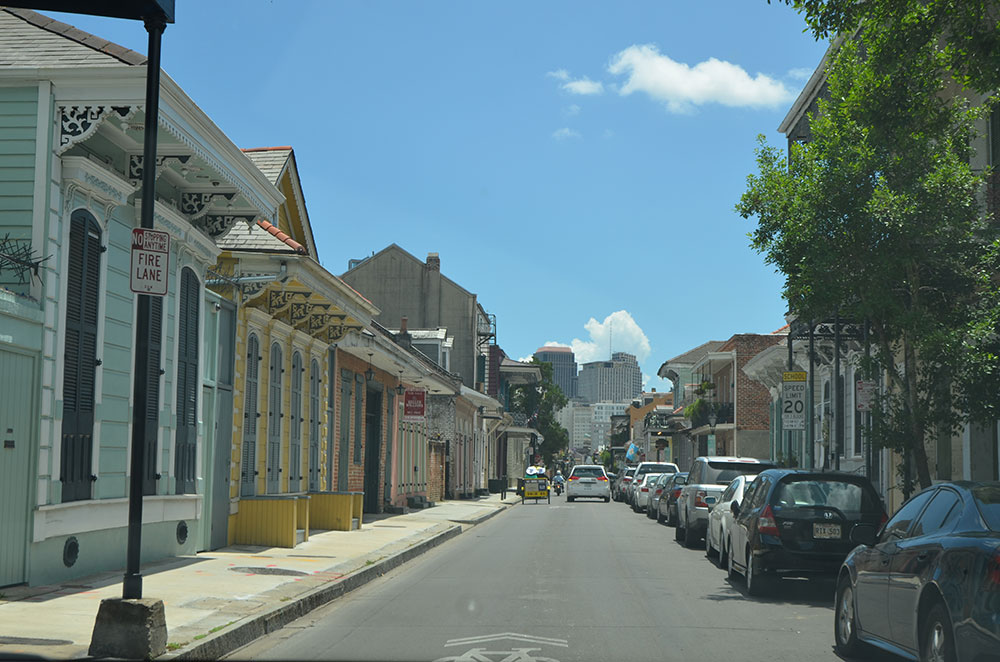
(793, 401)
(149, 269)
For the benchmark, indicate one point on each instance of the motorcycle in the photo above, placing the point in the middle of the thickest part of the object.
(558, 488)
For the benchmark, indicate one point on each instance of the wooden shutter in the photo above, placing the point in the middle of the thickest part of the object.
(80, 355)
(186, 447)
(274, 417)
(314, 381)
(151, 417)
(248, 471)
(295, 421)
(346, 380)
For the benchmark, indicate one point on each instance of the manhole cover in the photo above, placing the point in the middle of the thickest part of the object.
(31, 641)
(269, 571)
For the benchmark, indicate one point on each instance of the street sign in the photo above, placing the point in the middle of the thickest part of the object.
(414, 406)
(864, 394)
(793, 401)
(150, 262)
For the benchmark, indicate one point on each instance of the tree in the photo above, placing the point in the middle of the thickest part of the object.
(876, 218)
(539, 403)
(966, 32)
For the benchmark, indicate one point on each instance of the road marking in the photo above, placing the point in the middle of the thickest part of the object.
(483, 655)
(526, 638)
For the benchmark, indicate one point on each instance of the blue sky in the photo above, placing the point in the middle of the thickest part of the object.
(574, 163)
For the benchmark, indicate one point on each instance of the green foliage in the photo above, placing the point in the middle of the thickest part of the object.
(540, 402)
(876, 217)
(967, 32)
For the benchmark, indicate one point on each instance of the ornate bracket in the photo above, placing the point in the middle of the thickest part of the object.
(77, 123)
(278, 301)
(195, 205)
(135, 164)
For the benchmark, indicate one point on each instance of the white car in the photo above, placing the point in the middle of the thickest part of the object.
(720, 519)
(588, 481)
(642, 490)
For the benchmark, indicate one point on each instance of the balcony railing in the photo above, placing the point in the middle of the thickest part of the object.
(723, 414)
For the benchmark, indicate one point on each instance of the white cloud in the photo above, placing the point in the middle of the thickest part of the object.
(584, 86)
(618, 331)
(555, 343)
(559, 74)
(800, 73)
(572, 110)
(683, 87)
(565, 133)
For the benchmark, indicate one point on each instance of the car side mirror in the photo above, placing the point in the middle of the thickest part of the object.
(864, 534)
(710, 501)
(735, 508)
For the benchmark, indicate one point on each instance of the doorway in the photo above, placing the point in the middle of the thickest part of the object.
(373, 444)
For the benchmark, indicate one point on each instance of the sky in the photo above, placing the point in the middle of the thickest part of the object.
(575, 163)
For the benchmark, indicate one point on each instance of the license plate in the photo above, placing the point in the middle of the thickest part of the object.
(826, 531)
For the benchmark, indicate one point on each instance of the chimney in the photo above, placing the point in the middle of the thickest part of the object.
(403, 338)
(433, 262)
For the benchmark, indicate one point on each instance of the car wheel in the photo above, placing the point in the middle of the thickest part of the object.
(708, 545)
(723, 560)
(690, 537)
(729, 566)
(569, 499)
(936, 642)
(671, 517)
(678, 532)
(845, 622)
(649, 512)
(607, 499)
(758, 584)
(659, 516)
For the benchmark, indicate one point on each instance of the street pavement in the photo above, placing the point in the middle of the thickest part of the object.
(556, 583)
(218, 601)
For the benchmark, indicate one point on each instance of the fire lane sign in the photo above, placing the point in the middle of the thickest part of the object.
(793, 401)
(150, 261)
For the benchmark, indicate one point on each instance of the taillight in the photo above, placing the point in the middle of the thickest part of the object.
(993, 572)
(574, 478)
(699, 499)
(882, 521)
(765, 523)
(604, 478)
(658, 491)
(677, 493)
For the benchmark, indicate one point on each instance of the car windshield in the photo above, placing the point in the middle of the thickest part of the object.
(657, 468)
(723, 473)
(588, 472)
(650, 479)
(988, 501)
(845, 496)
(629, 473)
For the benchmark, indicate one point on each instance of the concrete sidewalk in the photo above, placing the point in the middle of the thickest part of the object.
(217, 601)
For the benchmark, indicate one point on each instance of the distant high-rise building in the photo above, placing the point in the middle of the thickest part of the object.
(617, 380)
(563, 367)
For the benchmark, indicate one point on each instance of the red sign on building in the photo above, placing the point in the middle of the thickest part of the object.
(414, 406)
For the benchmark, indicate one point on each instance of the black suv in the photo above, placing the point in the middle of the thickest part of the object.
(795, 522)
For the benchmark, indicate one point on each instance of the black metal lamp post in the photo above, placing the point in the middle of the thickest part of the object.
(712, 420)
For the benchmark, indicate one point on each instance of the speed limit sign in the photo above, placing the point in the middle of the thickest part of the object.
(793, 401)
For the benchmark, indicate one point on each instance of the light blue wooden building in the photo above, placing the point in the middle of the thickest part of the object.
(71, 133)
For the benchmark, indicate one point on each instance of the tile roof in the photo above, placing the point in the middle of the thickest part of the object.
(269, 160)
(29, 39)
(262, 237)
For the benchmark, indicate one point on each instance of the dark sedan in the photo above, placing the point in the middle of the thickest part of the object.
(928, 585)
(666, 507)
(797, 523)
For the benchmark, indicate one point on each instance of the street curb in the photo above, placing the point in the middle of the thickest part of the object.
(228, 640)
(496, 511)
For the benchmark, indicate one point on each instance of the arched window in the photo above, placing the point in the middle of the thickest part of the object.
(83, 279)
(248, 472)
(274, 416)
(185, 456)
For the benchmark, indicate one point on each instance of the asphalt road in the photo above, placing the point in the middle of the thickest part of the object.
(562, 582)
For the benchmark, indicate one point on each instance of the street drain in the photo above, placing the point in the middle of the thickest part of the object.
(30, 641)
(269, 571)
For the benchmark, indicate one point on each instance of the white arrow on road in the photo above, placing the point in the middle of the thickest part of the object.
(526, 638)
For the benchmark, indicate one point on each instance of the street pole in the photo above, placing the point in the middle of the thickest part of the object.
(788, 438)
(868, 414)
(132, 583)
(810, 405)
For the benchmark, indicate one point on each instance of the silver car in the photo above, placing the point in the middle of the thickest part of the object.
(642, 489)
(655, 494)
(588, 481)
(720, 520)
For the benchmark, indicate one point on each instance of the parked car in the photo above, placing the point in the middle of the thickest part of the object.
(720, 520)
(644, 468)
(796, 522)
(706, 482)
(928, 585)
(655, 492)
(625, 477)
(666, 510)
(642, 490)
(588, 481)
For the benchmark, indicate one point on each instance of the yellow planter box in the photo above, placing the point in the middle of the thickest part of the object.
(334, 511)
(271, 521)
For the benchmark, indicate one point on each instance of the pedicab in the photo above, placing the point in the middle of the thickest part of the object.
(536, 485)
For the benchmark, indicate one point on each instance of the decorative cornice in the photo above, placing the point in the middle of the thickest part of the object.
(101, 186)
(135, 164)
(195, 204)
